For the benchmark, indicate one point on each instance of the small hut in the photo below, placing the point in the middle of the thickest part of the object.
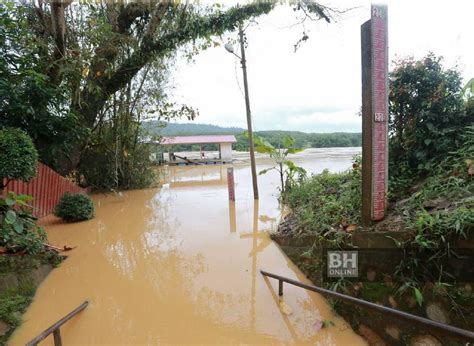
(222, 155)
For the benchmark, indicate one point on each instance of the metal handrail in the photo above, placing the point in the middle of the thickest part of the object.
(441, 328)
(55, 328)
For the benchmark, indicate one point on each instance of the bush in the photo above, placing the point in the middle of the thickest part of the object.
(427, 115)
(101, 169)
(326, 201)
(75, 207)
(18, 228)
(18, 155)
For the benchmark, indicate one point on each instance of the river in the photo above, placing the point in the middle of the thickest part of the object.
(180, 265)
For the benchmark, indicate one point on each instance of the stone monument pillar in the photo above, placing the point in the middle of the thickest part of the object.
(374, 115)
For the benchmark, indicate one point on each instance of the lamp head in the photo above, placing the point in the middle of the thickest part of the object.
(229, 47)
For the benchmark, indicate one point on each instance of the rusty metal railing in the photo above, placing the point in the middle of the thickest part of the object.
(439, 328)
(55, 328)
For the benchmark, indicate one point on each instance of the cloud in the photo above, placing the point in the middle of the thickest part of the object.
(318, 88)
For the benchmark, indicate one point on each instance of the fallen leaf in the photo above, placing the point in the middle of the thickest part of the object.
(393, 302)
(3, 249)
(352, 227)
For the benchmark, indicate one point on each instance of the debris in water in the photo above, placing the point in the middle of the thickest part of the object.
(64, 248)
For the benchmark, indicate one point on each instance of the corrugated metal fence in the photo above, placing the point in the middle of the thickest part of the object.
(46, 188)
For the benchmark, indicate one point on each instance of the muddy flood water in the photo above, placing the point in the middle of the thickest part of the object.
(180, 265)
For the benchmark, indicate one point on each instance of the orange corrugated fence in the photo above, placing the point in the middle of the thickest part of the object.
(46, 188)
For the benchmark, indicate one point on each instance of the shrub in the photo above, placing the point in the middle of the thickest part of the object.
(18, 155)
(131, 169)
(18, 228)
(75, 207)
(327, 200)
(427, 115)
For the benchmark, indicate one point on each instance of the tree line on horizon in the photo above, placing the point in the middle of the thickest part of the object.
(274, 137)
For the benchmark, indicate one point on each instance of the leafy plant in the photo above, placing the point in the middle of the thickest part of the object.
(18, 228)
(439, 213)
(427, 115)
(302, 139)
(75, 207)
(18, 156)
(328, 203)
(288, 171)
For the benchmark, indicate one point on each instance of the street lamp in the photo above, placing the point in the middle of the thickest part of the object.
(243, 62)
(230, 48)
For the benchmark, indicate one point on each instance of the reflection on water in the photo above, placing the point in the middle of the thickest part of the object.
(181, 265)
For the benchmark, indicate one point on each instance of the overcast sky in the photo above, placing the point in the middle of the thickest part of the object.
(318, 88)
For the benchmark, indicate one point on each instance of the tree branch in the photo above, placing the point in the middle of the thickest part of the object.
(200, 27)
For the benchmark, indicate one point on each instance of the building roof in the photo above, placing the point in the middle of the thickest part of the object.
(198, 139)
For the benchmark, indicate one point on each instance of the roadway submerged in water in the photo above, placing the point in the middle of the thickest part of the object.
(181, 265)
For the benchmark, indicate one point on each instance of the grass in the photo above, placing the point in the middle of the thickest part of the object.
(438, 210)
(15, 299)
(13, 304)
(327, 203)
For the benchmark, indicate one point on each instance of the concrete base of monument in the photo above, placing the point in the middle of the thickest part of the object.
(378, 258)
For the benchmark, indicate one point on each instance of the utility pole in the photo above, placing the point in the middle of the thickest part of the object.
(249, 116)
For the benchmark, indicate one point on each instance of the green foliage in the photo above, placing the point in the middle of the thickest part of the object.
(427, 115)
(164, 128)
(326, 203)
(12, 304)
(60, 66)
(115, 159)
(75, 207)
(304, 140)
(18, 228)
(68, 69)
(439, 213)
(18, 155)
(28, 98)
(17, 294)
(289, 173)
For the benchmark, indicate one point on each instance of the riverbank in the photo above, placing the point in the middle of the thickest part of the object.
(415, 267)
(20, 275)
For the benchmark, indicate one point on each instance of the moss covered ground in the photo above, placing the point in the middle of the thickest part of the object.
(20, 276)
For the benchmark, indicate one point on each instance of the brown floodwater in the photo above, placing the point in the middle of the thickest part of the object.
(180, 265)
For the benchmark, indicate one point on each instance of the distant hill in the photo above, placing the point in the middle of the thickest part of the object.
(302, 139)
(175, 129)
